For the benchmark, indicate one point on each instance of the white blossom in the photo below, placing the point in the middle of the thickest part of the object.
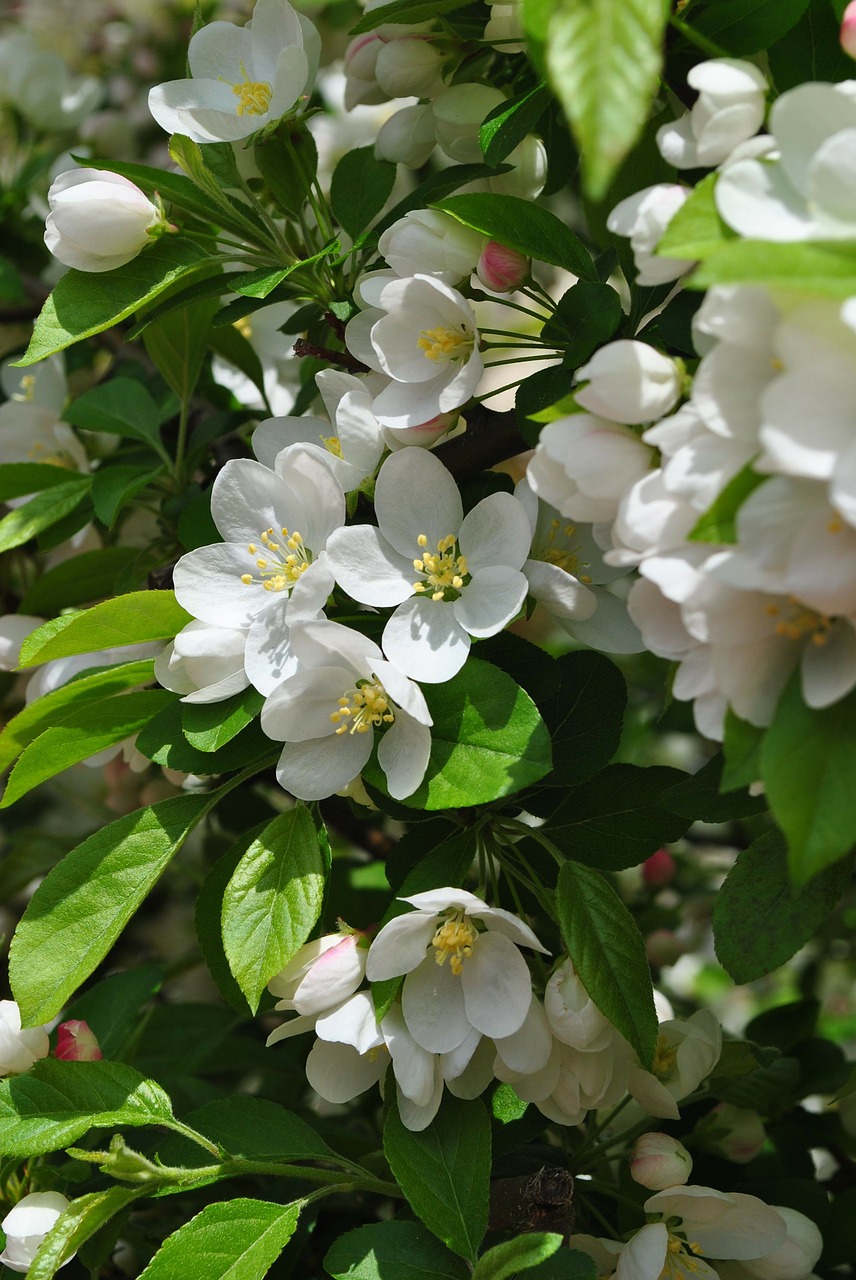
(629, 382)
(19, 1049)
(658, 1161)
(729, 109)
(643, 217)
(26, 1225)
(204, 663)
(687, 1051)
(39, 85)
(584, 465)
(98, 220)
(318, 978)
(431, 243)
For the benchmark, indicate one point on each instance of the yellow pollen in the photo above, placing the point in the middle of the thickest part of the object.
(38, 453)
(244, 325)
(680, 1260)
(333, 445)
(453, 941)
(364, 707)
(800, 623)
(835, 525)
(282, 566)
(445, 573)
(26, 392)
(447, 345)
(664, 1058)
(253, 95)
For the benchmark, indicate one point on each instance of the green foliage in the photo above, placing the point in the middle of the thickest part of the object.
(524, 226)
(233, 1240)
(18, 479)
(524, 1253)
(114, 487)
(86, 577)
(122, 407)
(696, 230)
(719, 522)
(386, 1249)
(585, 318)
(247, 1128)
(112, 1007)
(178, 344)
(83, 1217)
(360, 187)
(742, 750)
(608, 953)
(444, 1170)
(210, 725)
(700, 797)
(43, 511)
(511, 122)
(584, 717)
(163, 741)
(405, 11)
(137, 618)
(828, 269)
(750, 27)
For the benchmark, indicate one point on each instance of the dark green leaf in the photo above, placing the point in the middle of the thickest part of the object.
(395, 1250)
(136, 618)
(742, 751)
(208, 916)
(288, 165)
(113, 487)
(785, 1025)
(86, 577)
(360, 187)
(113, 1006)
(19, 479)
(524, 226)
(406, 11)
(121, 407)
(435, 188)
(811, 50)
(700, 797)
(512, 121)
(45, 509)
(232, 1240)
(249, 1129)
(537, 393)
(749, 27)
(163, 741)
(585, 318)
(177, 344)
(585, 718)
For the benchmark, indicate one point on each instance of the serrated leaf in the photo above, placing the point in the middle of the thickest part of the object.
(444, 1170)
(83, 1217)
(360, 187)
(513, 1256)
(210, 725)
(55, 1102)
(86, 577)
(524, 226)
(608, 953)
(401, 1249)
(45, 509)
(512, 121)
(136, 618)
(233, 1240)
(273, 900)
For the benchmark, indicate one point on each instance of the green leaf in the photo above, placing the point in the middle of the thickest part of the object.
(487, 741)
(758, 921)
(83, 1217)
(19, 479)
(619, 817)
(719, 522)
(84, 303)
(288, 161)
(81, 907)
(213, 169)
(406, 11)
(825, 268)
(696, 230)
(55, 707)
(700, 797)
(113, 487)
(435, 188)
(113, 1006)
(258, 284)
(55, 1102)
(248, 1128)
(749, 27)
(81, 735)
(524, 226)
(811, 50)
(210, 725)
(444, 1170)
(232, 1240)
(603, 61)
(399, 1249)
(42, 511)
(163, 741)
(808, 762)
(585, 717)
(586, 317)
(121, 407)
(86, 577)
(208, 915)
(178, 343)
(742, 750)
(537, 394)
(359, 188)
(608, 953)
(512, 121)
(273, 900)
(136, 618)
(513, 1256)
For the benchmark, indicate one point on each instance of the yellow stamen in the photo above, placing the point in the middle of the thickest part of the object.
(333, 445)
(445, 572)
(282, 567)
(253, 95)
(364, 707)
(453, 941)
(447, 345)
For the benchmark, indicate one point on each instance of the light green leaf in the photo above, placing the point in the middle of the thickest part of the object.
(136, 618)
(81, 907)
(524, 226)
(719, 522)
(808, 762)
(824, 268)
(81, 735)
(42, 511)
(603, 61)
(212, 169)
(113, 487)
(444, 1170)
(742, 750)
(399, 1249)
(405, 11)
(178, 343)
(359, 188)
(696, 230)
(84, 303)
(510, 122)
(86, 577)
(608, 953)
(513, 1256)
(758, 921)
(83, 1217)
(18, 479)
(232, 1240)
(210, 725)
(273, 900)
(55, 707)
(121, 407)
(55, 1102)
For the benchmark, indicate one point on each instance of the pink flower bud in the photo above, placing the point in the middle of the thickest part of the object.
(659, 869)
(848, 29)
(500, 268)
(663, 947)
(732, 1132)
(658, 1161)
(75, 1042)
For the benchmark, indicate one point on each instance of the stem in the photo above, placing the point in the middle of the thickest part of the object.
(490, 437)
(199, 1139)
(606, 1189)
(181, 445)
(695, 37)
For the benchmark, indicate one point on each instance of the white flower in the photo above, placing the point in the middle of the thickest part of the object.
(272, 568)
(795, 1259)
(407, 137)
(573, 1016)
(644, 217)
(431, 243)
(280, 368)
(319, 977)
(329, 713)
(658, 1161)
(584, 465)
(422, 334)
(458, 979)
(656, 1252)
(805, 193)
(204, 663)
(629, 382)
(38, 84)
(504, 28)
(43, 383)
(98, 220)
(458, 115)
(243, 78)
(451, 576)
(717, 1224)
(687, 1051)
(729, 109)
(26, 1226)
(410, 66)
(19, 1049)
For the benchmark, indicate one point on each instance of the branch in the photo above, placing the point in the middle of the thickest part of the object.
(490, 437)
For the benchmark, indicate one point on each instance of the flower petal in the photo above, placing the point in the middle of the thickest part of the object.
(317, 769)
(400, 946)
(338, 1073)
(424, 638)
(496, 531)
(490, 600)
(369, 568)
(403, 754)
(415, 494)
(433, 1004)
(496, 985)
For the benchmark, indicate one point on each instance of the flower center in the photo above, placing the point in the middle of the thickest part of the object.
(333, 445)
(445, 345)
(253, 95)
(364, 707)
(281, 565)
(680, 1259)
(453, 941)
(796, 621)
(563, 557)
(38, 453)
(26, 392)
(445, 571)
(664, 1058)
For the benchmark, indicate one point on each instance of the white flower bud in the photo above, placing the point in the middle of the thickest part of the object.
(504, 28)
(429, 242)
(848, 29)
(728, 111)
(658, 1161)
(629, 382)
(410, 67)
(500, 268)
(796, 1258)
(26, 1226)
(732, 1132)
(643, 217)
(19, 1049)
(458, 113)
(407, 137)
(360, 66)
(583, 466)
(98, 220)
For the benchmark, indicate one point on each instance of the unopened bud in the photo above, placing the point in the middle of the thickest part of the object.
(732, 1132)
(659, 869)
(658, 1161)
(76, 1042)
(500, 268)
(848, 29)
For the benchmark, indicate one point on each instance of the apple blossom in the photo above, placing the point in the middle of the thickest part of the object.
(658, 1161)
(643, 218)
(795, 1259)
(629, 382)
(410, 66)
(729, 109)
(99, 220)
(458, 979)
(583, 465)
(320, 976)
(502, 269)
(19, 1049)
(39, 85)
(458, 113)
(504, 29)
(717, 1224)
(204, 663)
(242, 78)
(733, 1132)
(280, 368)
(432, 243)
(407, 137)
(450, 576)
(77, 1042)
(687, 1051)
(26, 1225)
(848, 29)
